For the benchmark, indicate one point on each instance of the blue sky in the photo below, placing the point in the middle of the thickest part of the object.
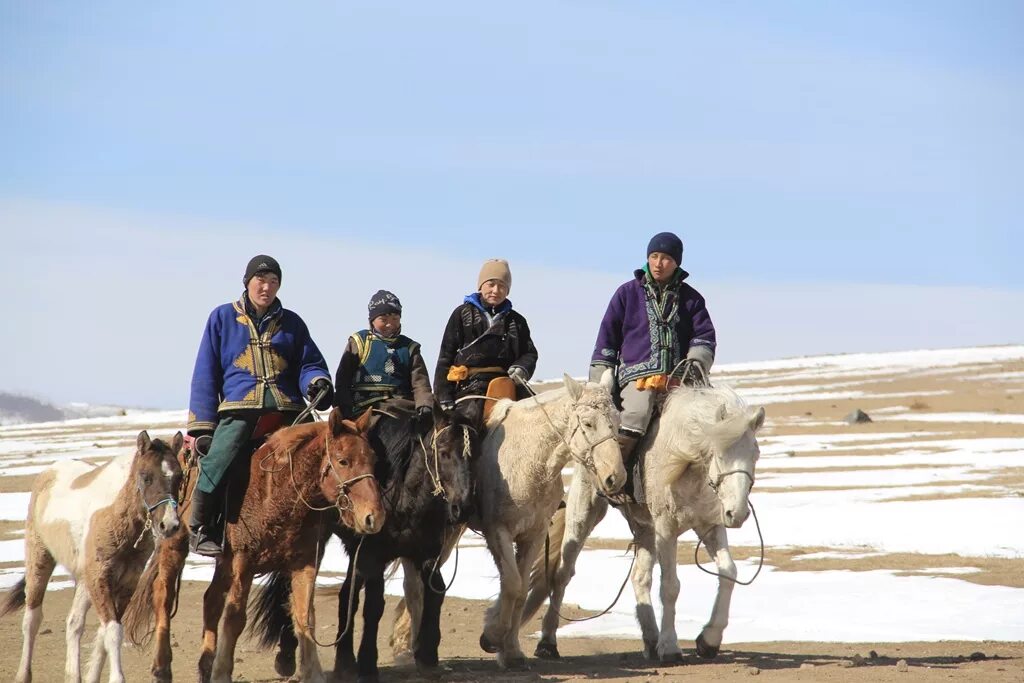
(799, 144)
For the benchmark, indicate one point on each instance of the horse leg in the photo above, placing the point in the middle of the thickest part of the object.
(98, 657)
(710, 638)
(498, 616)
(39, 566)
(74, 629)
(511, 655)
(110, 634)
(408, 614)
(171, 559)
(666, 542)
(344, 652)
(233, 620)
(432, 588)
(583, 511)
(213, 607)
(304, 623)
(642, 579)
(373, 610)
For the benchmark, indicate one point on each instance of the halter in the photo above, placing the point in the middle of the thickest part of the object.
(343, 484)
(585, 458)
(435, 473)
(148, 526)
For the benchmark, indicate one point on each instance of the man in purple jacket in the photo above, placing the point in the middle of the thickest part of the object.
(653, 322)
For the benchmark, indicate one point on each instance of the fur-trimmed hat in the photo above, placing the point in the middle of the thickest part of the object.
(261, 263)
(382, 303)
(494, 269)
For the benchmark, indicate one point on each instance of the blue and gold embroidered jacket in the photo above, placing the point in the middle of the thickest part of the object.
(238, 361)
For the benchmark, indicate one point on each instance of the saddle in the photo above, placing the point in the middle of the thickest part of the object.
(498, 388)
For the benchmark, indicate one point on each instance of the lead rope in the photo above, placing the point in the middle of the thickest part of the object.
(547, 578)
(700, 540)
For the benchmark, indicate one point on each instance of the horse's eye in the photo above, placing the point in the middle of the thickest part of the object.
(147, 479)
(343, 463)
(588, 424)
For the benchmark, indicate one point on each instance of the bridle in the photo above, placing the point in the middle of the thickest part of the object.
(150, 508)
(586, 458)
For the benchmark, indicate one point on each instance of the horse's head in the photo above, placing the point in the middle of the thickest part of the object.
(158, 476)
(733, 456)
(346, 475)
(593, 425)
(449, 452)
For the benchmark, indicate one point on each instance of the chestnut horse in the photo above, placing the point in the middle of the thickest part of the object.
(300, 481)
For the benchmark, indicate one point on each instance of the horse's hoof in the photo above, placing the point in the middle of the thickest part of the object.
(486, 645)
(513, 663)
(404, 658)
(431, 671)
(671, 658)
(284, 664)
(162, 676)
(706, 650)
(651, 651)
(547, 651)
(368, 678)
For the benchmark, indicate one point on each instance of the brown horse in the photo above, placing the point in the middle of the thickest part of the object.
(298, 482)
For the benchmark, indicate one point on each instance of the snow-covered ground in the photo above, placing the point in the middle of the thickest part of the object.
(933, 491)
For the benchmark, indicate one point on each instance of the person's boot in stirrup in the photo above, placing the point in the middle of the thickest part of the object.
(628, 441)
(203, 539)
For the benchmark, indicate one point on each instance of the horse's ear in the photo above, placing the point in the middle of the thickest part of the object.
(362, 425)
(143, 441)
(608, 380)
(176, 443)
(756, 419)
(335, 422)
(574, 388)
(721, 414)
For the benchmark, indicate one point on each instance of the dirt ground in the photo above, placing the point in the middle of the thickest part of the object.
(606, 659)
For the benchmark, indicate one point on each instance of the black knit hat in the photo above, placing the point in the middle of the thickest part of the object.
(382, 303)
(261, 263)
(666, 243)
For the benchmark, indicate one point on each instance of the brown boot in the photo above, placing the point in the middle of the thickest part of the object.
(628, 441)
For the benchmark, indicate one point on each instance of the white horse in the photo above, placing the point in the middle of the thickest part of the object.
(699, 469)
(100, 522)
(519, 486)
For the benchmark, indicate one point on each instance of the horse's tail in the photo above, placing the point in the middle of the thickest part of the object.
(137, 620)
(15, 598)
(543, 571)
(269, 612)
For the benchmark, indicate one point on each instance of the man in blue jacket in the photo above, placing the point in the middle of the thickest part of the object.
(255, 362)
(654, 321)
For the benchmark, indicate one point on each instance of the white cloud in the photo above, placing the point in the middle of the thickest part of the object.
(109, 306)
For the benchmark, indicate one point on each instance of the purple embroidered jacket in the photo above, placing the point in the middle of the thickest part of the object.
(642, 336)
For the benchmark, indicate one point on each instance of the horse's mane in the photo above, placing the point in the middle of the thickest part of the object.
(291, 439)
(601, 400)
(689, 430)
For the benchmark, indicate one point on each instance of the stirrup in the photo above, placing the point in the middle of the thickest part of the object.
(203, 543)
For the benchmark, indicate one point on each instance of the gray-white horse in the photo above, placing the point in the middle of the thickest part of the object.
(519, 486)
(699, 469)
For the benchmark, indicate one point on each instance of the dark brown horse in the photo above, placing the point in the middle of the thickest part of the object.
(300, 480)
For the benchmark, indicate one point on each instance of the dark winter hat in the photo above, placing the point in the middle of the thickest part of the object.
(382, 303)
(666, 243)
(261, 263)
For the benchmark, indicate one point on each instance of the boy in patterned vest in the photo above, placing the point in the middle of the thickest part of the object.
(381, 363)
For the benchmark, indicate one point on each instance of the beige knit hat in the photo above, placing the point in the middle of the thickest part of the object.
(494, 269)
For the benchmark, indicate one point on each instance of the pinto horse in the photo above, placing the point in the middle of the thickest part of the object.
(96, 522)
(300, 479)
(427, 494)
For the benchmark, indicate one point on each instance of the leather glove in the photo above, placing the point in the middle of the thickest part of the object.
(518, 374)
(315, 387)
(424, 417)
(202, 442)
